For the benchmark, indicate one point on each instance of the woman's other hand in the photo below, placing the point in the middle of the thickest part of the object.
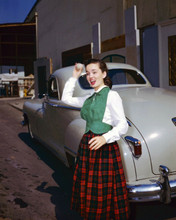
(77, 70)
(97, 142)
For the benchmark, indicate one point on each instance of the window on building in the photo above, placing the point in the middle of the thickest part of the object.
(114, 58)
(77, 55)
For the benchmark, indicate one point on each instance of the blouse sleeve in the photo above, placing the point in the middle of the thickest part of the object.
(67, 95)
(115, 117)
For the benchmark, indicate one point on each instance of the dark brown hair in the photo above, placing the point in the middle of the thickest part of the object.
(103, 67)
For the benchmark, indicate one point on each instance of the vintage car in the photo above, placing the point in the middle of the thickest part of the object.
(148, 149)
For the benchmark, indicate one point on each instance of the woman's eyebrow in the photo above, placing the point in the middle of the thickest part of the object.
(91, 70)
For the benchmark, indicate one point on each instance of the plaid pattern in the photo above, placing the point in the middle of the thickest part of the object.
(99, 186)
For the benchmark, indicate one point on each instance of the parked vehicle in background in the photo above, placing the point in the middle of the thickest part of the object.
(147, 150)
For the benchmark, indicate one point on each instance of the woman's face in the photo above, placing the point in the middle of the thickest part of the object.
(95, 76)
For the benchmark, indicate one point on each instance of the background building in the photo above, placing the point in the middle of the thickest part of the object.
(18, 45)
(17, 55)
(139, 32)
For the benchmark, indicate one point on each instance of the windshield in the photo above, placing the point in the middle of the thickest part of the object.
(118, 77)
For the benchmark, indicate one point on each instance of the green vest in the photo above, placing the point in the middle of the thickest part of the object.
(93, 111)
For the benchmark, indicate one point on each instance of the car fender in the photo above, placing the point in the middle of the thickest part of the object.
(135, 164)
(33, 111)
(127, 161)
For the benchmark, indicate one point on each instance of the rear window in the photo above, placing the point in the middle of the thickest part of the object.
(118, 77)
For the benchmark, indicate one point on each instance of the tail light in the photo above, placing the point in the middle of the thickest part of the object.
(135, 146)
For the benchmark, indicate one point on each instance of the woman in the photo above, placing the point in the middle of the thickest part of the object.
(99, 187)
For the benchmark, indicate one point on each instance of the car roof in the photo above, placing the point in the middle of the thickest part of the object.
(65, 73)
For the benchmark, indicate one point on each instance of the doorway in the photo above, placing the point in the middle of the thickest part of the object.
(167, 54)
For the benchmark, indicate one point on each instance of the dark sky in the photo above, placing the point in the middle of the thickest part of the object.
(14, 11)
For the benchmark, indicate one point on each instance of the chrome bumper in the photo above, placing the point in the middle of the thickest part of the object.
(162, 189)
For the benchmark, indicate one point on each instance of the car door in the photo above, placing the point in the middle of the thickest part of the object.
(56, 119)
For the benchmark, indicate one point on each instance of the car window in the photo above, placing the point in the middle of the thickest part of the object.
(125, 76)
(118, 77)
(52, 88)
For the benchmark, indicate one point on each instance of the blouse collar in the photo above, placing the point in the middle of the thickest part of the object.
(100, 88)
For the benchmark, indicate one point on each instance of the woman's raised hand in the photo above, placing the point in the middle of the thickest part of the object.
(77, 70)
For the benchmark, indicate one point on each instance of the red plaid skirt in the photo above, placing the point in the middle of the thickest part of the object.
(99, 186)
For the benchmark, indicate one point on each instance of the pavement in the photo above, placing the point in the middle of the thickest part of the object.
(15, 102)
(18, 104)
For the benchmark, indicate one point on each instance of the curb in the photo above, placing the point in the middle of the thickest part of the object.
(16, 107)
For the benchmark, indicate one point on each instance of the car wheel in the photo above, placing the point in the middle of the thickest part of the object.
(30, 130)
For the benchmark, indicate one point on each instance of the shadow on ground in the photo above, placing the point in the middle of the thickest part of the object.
(61, 195)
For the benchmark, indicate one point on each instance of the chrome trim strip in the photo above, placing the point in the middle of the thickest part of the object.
(63, 106)
(74, 108)
(73, 153)
(148, 192)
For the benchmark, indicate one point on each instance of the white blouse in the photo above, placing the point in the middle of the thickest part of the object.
(114, 113)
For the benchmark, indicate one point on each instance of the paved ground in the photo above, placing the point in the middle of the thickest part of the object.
(18, 104)
(34, 184)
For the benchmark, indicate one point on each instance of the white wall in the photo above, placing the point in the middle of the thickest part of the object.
(67, 24)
